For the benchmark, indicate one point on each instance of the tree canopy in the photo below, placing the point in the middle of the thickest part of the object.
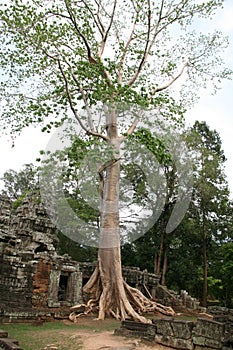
(59, 55)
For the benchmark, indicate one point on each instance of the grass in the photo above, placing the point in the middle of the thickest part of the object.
(38, 337)
(63, 335)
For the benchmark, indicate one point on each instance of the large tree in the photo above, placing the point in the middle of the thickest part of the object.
(211, 193)
(61, 55)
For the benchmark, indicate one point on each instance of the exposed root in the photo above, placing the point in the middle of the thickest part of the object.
(82, 310)
(122, 302)
(143, 304)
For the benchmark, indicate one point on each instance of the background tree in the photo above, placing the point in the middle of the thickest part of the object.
(61, 55)
(17, 183)
(211, 189)
(183, 247)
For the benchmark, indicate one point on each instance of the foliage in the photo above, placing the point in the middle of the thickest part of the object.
(18, 202)
(76, 251)
(97, 61)
(185, 254)
(57, 54)
(208, 223)
(16, 184)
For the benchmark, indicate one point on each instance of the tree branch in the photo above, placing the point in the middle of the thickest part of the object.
(164, 87)
(73, 20)
(98, 22)
(98, 17)
(89, 132)
(132, 127)
(106, 74)
(108, 29)
(146, 50)
(90, 119)
(120, 74)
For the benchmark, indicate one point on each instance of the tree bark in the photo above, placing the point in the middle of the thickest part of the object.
(163, 279)
(106, 287)
(159, 256)
(205, 271)
(155, 262)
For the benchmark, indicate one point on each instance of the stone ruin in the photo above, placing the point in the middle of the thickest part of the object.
(37, 284)
(201, 334)
(34, 280)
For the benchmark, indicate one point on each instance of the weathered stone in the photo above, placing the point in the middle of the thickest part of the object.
(3, 334)
(209, 329)
(174, 328)
(173, 342)
(208, 333)
(163, 327)
(27, 260)
(143, 330)
(9, 344)
(182, 329)
(204, 334)
(207, 342)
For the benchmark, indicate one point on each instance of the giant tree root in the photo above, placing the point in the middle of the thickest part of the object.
(123, 303)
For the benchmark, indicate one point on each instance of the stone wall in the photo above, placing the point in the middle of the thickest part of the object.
(181, 301)
(203, 334)
(224, 315)
(33, 278)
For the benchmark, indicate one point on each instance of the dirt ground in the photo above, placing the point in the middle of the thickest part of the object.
(109, 341)
(106, 340)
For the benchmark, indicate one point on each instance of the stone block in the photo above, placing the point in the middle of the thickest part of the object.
(3, 334)
(164, 327)
(143, 330)
(209, 329)
(207, 342)
(177, 343)
(197, 347)
(182, 329)
(9, 344)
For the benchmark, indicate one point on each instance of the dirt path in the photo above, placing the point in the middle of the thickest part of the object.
(109, 341)
(98, 338)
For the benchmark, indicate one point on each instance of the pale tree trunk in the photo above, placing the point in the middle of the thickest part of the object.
(106, 287)
(113, 299)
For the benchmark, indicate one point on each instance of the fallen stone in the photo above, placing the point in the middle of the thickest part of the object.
(3, 334)
(172, 342)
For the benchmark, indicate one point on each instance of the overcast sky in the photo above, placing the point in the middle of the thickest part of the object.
(216, 110)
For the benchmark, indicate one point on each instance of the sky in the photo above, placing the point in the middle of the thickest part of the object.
(216, 110)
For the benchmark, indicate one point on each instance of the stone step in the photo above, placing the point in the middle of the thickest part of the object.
(3, 334)
(139, 326)
(9, 344)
